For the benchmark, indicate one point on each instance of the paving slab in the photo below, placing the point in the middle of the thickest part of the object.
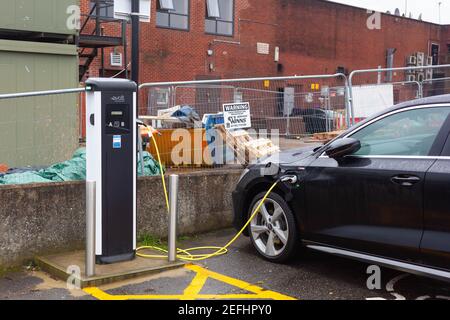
(72, 265)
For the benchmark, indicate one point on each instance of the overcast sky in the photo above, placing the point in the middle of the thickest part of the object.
(428, 8)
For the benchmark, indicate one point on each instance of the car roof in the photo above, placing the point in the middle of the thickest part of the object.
(445, 98)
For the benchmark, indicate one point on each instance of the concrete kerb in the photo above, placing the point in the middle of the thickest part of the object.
(66, 266)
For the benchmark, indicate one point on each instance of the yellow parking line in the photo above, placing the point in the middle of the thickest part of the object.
(192, 292)
(262, 293)
(102, 295)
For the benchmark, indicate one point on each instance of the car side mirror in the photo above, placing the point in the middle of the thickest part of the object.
(342, 147)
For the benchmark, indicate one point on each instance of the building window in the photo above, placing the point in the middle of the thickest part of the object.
(166, 5)
(219, 17)
(173, 14)
(435, 53)
(106, 8)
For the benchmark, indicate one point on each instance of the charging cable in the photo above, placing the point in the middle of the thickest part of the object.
(187, 254)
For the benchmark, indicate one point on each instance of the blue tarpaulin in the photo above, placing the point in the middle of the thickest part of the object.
(70, 170)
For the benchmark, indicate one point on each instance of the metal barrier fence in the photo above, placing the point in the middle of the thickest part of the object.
(282, 108)
(434, 87)
(276, 102)
(370, 93)
(39, 128)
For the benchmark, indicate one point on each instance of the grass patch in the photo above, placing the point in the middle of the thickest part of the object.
(29, 265)
(152, 241)
(6, 270)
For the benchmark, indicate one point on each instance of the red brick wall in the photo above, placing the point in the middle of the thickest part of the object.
(445, 40)
(314, 37)
(323, 36)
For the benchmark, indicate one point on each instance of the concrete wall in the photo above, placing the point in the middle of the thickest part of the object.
(50, 218)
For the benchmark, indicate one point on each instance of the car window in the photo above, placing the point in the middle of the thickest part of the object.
(408, 133)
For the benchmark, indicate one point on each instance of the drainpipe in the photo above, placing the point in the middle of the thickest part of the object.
(390, 63)
(135, 41)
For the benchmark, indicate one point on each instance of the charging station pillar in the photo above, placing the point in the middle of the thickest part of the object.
(111, 162)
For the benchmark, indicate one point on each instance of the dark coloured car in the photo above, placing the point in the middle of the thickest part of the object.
(380, 193)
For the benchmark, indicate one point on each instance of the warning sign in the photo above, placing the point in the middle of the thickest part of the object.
(237, 115)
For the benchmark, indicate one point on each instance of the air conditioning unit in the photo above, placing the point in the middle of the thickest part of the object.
(420, 58)
(429, 61)
(411, 61)
(116, 60)
(410, 77)
(420, 76)
(429, 74)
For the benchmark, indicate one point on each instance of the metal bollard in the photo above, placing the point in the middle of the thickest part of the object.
(173, 213)
(90, 228)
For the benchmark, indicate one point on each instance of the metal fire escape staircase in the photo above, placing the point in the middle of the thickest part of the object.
(93, 36)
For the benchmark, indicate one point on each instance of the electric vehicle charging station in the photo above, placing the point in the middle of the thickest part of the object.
(111, 163)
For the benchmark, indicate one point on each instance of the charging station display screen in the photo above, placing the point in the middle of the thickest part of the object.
(117, 119)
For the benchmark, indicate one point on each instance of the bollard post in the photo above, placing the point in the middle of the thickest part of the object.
(90, 228)
(173, 213)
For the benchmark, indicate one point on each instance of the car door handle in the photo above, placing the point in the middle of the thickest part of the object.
(405, 180)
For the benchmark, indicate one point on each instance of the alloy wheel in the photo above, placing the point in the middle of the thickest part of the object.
(269, 228)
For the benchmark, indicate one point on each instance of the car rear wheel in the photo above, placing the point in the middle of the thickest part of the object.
(273, 231)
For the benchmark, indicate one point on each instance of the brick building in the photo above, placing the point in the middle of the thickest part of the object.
(197, 41)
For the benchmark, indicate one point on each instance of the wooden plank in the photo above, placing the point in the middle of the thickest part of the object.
(326, 136)
(245, 147)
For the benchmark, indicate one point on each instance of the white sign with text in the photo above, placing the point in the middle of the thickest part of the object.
(237, 115)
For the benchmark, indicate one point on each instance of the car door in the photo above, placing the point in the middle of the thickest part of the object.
(372, 201)
(435, 245)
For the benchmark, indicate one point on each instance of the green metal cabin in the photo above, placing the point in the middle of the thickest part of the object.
(37, 52)
(48, 16)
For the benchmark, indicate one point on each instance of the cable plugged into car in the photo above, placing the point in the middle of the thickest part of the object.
(285, 180)
(291, 179)
(187, 254)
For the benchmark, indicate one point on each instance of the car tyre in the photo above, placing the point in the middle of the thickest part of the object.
(273, 231)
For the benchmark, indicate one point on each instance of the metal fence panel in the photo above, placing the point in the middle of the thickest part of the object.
(286, 104)
(374, 80)
(434, 87)
(38, 128)
(283, 109)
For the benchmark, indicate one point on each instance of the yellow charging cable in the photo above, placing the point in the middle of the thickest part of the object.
(166, 194)
(186, 254)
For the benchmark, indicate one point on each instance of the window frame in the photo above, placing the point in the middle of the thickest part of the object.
(435, 44)
(208, 9)
(160, 4)
(207, 17)
(110, 4)
(441, 135)
(188, 15)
